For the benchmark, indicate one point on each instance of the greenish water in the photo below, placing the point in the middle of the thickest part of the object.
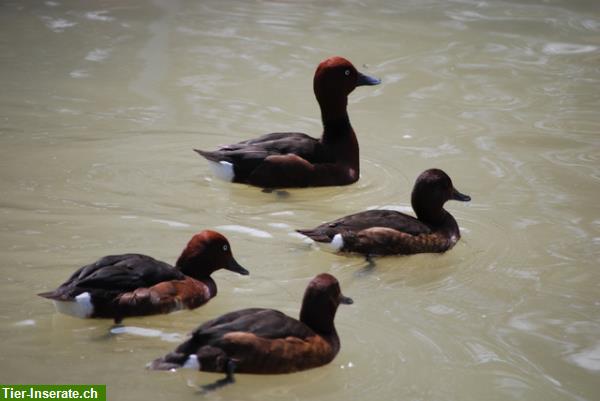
(101, 104)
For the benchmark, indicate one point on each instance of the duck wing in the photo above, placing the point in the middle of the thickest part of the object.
(216, 341)
(360, 221)
(265, 323)
(116, 273)
(247, 155)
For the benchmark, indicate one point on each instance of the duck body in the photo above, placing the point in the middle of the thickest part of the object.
(260, 341)
(364, 220)
(129, 285)
(275, 160)
(119, 286)
(385, 232)
(291, 159)
(265, 341)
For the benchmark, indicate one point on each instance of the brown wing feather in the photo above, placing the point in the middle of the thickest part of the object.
(357, 222)
(383, 240)
(282, 355)
(164, 297)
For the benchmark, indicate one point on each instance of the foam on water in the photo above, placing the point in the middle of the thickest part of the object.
(568, 48)
(99, 16)
(171, 223)
(146, 332)
(245, 230)
(588, 358)
(98, 55)
(58, 24)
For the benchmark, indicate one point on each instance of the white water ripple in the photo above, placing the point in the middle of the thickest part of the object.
(245, 230)
(568, 48)
(58, 24)
(98, 55)
(588, 359)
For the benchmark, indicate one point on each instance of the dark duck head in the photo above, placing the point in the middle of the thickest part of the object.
(431, 190)
(319, 305)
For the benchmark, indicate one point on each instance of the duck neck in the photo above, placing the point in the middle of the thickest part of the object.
(338, 133)
(439, 220)
(319, 318)
(336, 129)
(204, 278)
(210, 283)
(333, 339)
(333, 107)
(334, 115)
(324, 327)
(190, 269)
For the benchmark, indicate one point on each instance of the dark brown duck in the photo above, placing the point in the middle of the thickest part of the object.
(119, 286)
(291, 159)
(386, 232)
(265, 341)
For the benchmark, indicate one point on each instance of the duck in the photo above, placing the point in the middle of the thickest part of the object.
(291, 159)
(388, 232)
(119, 286)
(265, 341)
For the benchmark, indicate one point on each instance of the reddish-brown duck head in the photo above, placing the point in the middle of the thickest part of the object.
(335, 78)
(207, 252)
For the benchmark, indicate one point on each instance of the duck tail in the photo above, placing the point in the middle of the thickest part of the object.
(51, 295)
(212, 156)
(173, 360)
(315, 235)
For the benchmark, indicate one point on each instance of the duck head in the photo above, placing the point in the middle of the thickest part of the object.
(335, 78)
(207, 252)
(321, 300)
(431, 190)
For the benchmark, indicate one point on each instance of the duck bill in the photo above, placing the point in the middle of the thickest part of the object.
(460, 197)
(346, 300)
(234, 266)
(363, 80)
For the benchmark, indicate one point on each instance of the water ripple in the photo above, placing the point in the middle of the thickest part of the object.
(568, 48)
(58, 24)
(588, 358)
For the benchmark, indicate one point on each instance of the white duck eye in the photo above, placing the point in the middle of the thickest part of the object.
(225, 248)
(347, 72)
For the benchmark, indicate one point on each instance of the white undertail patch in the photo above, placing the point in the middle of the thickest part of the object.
(337, 243)
(222, 170)
(192, 362)
(81, 306)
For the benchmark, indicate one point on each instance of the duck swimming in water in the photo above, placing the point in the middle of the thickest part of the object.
(265, 341)
(385, 232)
(290, 159)
(119, 286)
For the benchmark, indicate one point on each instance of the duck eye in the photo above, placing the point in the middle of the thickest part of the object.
(347, 72)
(225, 248)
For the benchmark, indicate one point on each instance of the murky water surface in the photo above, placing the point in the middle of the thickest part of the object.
(102, 102)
